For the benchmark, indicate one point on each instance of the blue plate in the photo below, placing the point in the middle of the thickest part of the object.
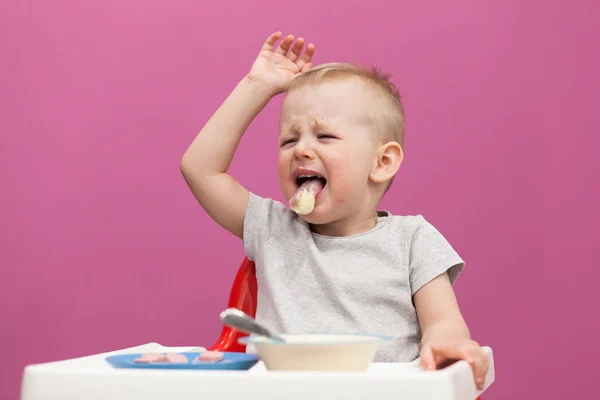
(230, 361)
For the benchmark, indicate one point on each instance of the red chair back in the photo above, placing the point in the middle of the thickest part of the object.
(243, 297)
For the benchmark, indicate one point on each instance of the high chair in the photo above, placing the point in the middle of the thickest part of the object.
(243, 297)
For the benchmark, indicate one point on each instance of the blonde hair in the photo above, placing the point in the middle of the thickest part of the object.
(392, 116)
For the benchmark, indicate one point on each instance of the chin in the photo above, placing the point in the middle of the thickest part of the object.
(316, 218)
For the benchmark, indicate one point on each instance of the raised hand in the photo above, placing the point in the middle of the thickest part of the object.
(277, 67)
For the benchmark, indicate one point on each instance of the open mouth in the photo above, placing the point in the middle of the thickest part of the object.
(302, 179)
(309, 184)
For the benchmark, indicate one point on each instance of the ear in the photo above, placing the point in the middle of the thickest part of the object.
(389, 158)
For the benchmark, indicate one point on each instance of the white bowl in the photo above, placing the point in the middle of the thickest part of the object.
(317, 352)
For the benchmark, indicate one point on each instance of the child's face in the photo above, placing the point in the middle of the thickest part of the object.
(326, 128)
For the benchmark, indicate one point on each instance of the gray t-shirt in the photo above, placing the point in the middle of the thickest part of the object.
(309, 283)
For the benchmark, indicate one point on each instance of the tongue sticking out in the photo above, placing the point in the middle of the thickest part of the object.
(303, 201)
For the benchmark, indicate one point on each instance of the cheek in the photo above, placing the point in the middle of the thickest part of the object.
(351, 168)
(281, 167)
(283, 171)
(284, 161)
(345, 182)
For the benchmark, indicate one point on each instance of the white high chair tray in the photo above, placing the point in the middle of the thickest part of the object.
(92, 378)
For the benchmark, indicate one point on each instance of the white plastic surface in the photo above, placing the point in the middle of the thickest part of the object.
(92, 378)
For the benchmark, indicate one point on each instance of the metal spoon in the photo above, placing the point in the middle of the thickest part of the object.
(245, 323)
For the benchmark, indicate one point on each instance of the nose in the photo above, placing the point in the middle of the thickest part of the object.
(303, 149)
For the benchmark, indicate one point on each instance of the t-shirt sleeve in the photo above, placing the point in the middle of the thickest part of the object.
(431, 255)
(261, 215)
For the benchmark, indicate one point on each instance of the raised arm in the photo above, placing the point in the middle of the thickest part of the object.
(205, 163)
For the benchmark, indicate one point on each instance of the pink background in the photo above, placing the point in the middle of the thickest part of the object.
(102, 245)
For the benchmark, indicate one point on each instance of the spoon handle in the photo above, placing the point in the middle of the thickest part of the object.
(245, 323)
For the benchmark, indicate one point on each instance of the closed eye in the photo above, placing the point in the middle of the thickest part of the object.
(286, 142)
(326, 137)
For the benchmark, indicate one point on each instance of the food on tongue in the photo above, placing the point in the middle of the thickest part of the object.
(303, 201)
